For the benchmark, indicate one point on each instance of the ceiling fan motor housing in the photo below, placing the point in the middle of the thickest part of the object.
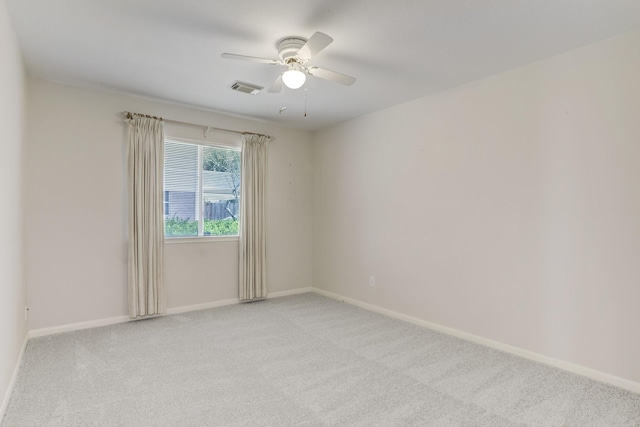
(288, 49)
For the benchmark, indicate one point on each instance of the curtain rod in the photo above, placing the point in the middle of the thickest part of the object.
(206, 128)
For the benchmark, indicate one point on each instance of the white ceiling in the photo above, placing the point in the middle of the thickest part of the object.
(398, 50)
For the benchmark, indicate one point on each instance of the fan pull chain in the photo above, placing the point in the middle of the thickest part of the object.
(282, 106)
(305, 102)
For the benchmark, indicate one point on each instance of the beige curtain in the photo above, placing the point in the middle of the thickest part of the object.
(146, 223)
(253, 278)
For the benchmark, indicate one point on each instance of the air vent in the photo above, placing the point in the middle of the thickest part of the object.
(246, 88)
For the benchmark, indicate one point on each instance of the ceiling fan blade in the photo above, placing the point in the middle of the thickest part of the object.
(331, 75)
(250, 58)
(276, 86)
(314, 45)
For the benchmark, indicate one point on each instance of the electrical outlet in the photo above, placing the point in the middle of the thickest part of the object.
(26, 312)
(372, 281)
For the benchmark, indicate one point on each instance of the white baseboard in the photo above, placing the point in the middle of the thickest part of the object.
(14, 377)
(41, 332)
(173, 310)
(203, 306)
(290, 292)
(561, 364)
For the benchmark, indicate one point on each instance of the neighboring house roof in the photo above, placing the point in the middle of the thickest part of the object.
(219, 185)
(216, 185)
(180, 174)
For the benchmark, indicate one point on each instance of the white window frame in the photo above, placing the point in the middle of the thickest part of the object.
(200, 238)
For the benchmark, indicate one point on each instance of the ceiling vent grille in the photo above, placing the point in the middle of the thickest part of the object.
(246, 88)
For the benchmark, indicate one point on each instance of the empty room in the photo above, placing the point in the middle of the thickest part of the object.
(320, 213)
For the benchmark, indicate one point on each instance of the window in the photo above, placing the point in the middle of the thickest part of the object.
(201, 190)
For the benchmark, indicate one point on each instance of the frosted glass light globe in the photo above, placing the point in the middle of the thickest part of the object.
(293, 79)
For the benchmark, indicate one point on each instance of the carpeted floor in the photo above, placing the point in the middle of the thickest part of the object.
(303, 360)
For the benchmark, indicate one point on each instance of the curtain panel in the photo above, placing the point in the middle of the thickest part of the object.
(252, 257)
(146, 222)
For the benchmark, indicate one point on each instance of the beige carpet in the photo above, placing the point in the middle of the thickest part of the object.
(303, 360)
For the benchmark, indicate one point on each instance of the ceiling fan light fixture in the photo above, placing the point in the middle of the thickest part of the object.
(293, 53)
(293, 78)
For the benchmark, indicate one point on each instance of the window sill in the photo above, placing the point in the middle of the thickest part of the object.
(199, 239)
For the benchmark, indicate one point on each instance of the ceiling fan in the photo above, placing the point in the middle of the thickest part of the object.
(294, 52)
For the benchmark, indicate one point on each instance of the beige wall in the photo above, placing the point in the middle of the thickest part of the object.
(508, 208)
(12, 288)
(75, 208)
